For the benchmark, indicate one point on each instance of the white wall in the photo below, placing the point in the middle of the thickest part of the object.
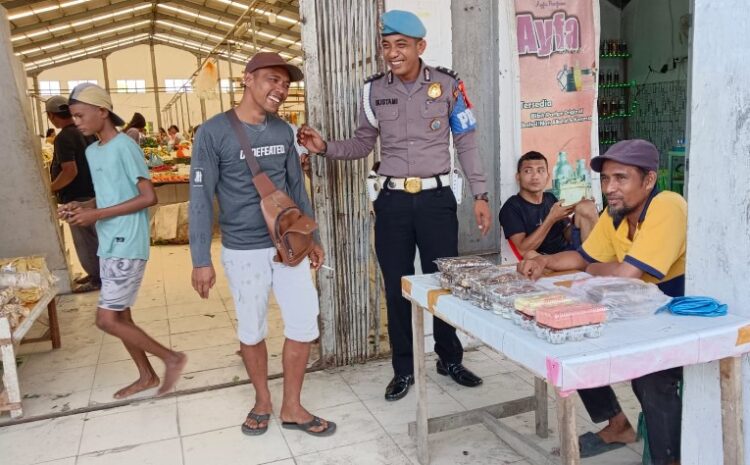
(718, 249)
(135, 63)
(652, 41)
(27, 225)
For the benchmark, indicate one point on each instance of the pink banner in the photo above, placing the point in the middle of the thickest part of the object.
(557, 49)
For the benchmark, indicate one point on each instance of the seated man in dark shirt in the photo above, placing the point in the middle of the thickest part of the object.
(535, 222)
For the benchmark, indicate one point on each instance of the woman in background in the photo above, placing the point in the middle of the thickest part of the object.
(136, 128)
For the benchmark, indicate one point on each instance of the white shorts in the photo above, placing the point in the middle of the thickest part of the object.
(252, 274)
(121, 280)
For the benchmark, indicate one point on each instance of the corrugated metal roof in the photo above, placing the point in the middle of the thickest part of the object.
(48, 33)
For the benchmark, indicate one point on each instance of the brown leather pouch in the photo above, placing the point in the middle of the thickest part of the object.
(290, 229)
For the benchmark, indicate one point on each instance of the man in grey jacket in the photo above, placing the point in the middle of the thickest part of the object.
(219, 168)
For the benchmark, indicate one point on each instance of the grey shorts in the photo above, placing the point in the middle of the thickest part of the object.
(121, 279)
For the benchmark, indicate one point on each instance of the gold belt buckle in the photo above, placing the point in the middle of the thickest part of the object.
(413, 185)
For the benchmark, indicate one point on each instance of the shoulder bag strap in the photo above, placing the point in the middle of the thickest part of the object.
(262, 182)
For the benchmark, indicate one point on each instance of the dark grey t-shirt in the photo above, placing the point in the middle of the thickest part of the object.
(218, 167)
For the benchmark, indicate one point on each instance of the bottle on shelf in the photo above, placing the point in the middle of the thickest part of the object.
(613, 109)
(616, 77)
(622, 106)
(609, 77)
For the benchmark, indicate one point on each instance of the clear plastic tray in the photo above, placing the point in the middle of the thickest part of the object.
(453, 264)
(560, 336)
(505, 294)
(624, 298)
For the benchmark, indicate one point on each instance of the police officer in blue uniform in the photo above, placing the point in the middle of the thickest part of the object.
(414, 108)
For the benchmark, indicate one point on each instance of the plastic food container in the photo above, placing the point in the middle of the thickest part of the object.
(453, 264)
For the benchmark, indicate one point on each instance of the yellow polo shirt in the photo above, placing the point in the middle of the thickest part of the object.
(658, 246)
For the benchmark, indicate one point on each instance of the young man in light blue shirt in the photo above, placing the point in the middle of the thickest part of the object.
(123, 193)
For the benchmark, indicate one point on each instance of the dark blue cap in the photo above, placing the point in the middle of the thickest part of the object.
(402, 22)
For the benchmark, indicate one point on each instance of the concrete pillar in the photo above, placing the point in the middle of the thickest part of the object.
(29, 225)
(473, 21)
(202, 100)
(218, 74)
(105, 70)
(182, 113)
(187, 110)
(38, 105)
(231, 84)
(156, 84)
(718, 249)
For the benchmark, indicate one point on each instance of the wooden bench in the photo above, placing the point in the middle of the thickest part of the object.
(10, 397)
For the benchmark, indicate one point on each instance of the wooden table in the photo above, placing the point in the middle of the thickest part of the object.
(10, 397)
(627, 349)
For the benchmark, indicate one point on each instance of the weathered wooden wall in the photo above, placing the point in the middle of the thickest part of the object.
(341, 49)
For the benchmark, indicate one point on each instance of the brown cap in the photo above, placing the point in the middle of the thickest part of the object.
(56, 104)
(634, 152)
(270, 59)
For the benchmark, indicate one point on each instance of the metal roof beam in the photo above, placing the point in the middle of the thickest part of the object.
(86, 57)
(122, 35)
(10, 4)
(202, 52)
(285, 8)
(222, 15)
(202, 29)
(88, 14)
(54, 40)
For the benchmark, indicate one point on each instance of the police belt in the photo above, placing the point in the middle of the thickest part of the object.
(414, 185)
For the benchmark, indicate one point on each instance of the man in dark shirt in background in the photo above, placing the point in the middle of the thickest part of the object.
(71, 182)
(535, 222)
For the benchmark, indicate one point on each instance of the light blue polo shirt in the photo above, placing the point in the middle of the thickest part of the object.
(116, 168)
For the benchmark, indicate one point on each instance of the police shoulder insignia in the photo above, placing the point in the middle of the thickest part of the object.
(375, 77)
(447, 71)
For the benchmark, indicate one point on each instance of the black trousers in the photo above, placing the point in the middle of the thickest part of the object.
(660, 400)
(404, 222)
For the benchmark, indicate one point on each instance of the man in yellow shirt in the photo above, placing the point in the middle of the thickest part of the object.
(642, 234)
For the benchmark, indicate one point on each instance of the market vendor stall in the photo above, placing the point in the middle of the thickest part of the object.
(624, 350)
(26, 289)
(170, 173)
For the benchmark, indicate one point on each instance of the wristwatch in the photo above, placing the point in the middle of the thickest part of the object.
(484, 196)
(325, 149)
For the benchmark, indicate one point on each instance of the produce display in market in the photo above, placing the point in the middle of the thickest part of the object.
(165, 166)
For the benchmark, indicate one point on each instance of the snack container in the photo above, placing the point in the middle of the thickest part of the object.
(502, 310)
(506, 293)
(453, 264)
(572, 315)
(530, 303)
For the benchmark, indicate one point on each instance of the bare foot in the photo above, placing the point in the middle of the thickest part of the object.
(172, 373)
(625, 434)
(300, 416)
(136, 387)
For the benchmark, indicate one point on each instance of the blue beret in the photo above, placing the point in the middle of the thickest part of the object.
(402, 22)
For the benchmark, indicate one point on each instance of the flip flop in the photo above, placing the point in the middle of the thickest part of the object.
(307, 427)
(591, 444)
(86, 287)
(257, 418)
(82, 279)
